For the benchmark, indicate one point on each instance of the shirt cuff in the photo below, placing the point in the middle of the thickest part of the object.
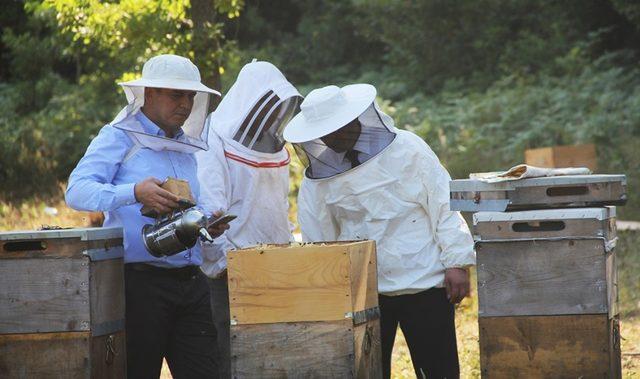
(125, 194)
(460, 259)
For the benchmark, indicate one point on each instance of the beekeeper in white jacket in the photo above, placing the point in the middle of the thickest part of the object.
(245, 173)
(365, 179)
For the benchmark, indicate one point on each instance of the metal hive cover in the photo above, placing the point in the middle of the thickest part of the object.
(85, 234)
(473, 195)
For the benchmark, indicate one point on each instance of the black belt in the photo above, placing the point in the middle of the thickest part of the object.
(185, 272)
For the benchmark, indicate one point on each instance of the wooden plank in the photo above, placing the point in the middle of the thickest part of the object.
(106, 292)
(576, 156)
(293, 350)
(612, 229)
(563, 156)
(300, 247)
(44, 295)
(109, 356)
(615, 356)
(364, 276)
(368, 352)
(545, 347)
(612, 284)
(542, 157)
(287, 285)
(45, 355)
(52, 247)
(541, 278)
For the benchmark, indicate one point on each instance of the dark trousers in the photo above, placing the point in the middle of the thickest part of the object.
(220, 309)
(427, 322)
(168, 315)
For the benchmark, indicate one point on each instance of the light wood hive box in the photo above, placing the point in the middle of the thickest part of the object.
(305, 310)
(62, 304)
(547, 294)
(563, 156)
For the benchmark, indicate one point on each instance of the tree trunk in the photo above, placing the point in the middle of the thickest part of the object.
(205, 47)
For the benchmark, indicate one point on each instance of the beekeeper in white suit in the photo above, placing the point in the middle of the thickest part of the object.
(365, 179)
(168, 314)
(246, 173)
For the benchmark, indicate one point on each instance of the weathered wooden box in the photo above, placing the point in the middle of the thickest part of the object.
(566, 346)
(546, 262)
(305, 310)
(547, 293)
(473, 195)
(62, 304)
(563, 156)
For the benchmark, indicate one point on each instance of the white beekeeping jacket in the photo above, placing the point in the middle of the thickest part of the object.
(400, 199)
(246, 170)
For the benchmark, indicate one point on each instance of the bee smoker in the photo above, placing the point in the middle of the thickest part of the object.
(175, 233)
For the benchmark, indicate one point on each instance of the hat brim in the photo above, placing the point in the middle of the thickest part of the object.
(180, 84)
(359, 98)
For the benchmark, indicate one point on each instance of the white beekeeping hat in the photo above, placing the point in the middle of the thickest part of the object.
(172, 72)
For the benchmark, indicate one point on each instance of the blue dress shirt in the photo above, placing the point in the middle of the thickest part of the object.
(103, 181)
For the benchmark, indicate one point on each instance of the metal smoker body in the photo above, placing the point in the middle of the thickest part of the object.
(175, 233)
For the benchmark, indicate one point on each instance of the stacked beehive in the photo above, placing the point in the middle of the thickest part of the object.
(547, 286)
(62, 304)
(305, 311)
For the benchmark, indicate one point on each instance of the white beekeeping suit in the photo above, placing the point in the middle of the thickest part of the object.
(246, 170)
(365, 179)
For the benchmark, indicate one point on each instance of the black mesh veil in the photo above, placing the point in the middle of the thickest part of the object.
(348, 147)
(262, 128)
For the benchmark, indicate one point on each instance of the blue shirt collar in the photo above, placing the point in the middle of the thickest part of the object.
(151, 128)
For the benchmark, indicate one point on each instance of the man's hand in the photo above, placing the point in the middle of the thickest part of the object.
(149, 193)
(456, 281)
(216, 230)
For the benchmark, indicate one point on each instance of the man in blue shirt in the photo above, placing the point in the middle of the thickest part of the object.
(154, 137)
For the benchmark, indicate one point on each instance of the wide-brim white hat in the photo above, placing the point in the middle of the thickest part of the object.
(327, 109)
(170, 71)
(187, 85)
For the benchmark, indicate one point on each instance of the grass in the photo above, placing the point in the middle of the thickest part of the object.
(31, 215)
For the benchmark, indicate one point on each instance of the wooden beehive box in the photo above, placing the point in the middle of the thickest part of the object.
(547, 293)
(306, 310)
(62, 304)
(571, 191)
(563, 156)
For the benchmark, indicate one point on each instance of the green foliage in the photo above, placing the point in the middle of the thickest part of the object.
(479, 41)
(630, 9)
(128, 32)
(312, 41)
(62, 66)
